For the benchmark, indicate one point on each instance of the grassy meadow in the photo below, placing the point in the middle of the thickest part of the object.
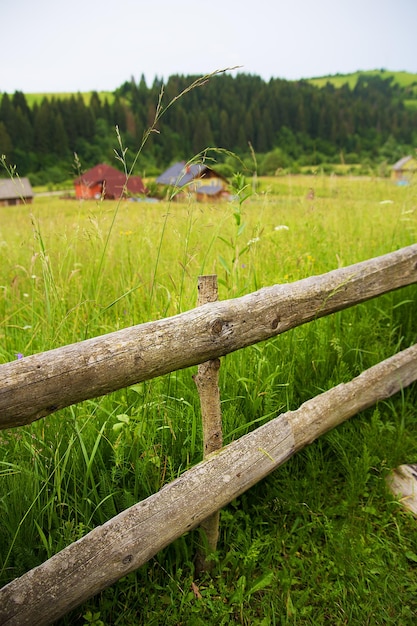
(321, 540)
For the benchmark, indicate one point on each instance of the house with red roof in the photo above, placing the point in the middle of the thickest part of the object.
(108, 183)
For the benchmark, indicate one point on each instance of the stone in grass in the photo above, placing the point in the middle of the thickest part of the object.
(402, 482)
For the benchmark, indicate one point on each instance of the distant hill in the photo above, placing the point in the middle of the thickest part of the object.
(405, 80)
(36, 98)
(365, 117)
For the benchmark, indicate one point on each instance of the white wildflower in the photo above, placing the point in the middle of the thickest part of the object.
(252, 241)
(281, 227)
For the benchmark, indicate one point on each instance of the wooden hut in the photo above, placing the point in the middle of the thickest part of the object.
(104, 181)
(15, 191)
(195, 178)
(404, 170)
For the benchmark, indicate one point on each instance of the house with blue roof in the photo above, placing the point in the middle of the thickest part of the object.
(194, 178)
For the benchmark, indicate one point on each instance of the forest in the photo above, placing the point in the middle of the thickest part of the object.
(282, 125)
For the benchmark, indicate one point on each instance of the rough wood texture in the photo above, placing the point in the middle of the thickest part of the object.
(207, 379)
(38, 385)
(207, 383)
(131, 538)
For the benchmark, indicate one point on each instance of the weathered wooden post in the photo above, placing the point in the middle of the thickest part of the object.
(207, 382)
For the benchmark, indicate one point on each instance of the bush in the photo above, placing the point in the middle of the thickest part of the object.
(273, 162)
(351, 158)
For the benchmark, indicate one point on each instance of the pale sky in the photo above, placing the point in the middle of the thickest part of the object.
(81, 45)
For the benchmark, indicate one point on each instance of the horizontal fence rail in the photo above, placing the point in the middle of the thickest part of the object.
(127, 541)
(38, 385)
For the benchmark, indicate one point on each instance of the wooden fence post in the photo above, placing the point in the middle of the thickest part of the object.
(207, 382)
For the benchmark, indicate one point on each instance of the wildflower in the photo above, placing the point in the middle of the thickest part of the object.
(281, 227)
(252, 241)
(19, 356)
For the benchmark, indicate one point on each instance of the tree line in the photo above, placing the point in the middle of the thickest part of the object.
(283, 124)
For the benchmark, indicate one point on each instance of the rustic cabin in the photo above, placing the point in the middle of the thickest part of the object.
(105, 182)
(404, 170)
(15, 191)
(195, 178)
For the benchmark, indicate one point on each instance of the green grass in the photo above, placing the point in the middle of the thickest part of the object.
(321, 541)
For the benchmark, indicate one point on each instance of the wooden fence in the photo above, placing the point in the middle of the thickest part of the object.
(38, 385)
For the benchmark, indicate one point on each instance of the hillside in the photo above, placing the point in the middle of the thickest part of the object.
(36, 98)
(405, 80)
(367, 118)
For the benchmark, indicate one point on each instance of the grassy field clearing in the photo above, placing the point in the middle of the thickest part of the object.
(36, 98)
(403, 79)
(320, 541)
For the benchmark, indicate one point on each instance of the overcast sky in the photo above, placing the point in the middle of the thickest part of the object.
(81, 45)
